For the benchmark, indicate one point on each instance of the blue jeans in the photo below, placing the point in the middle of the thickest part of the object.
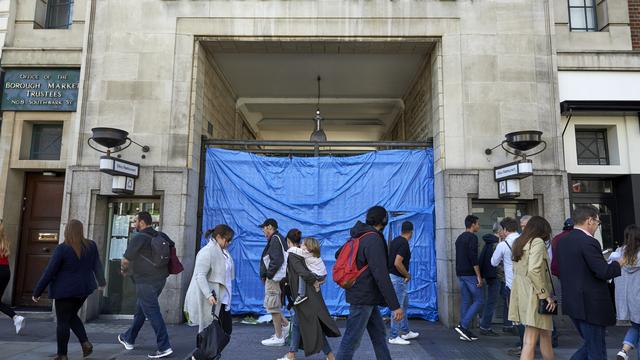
(505, 292)
(471, 299)
(633, 336)
(493, 288)
(363, 317)
(402, 326)
(594, 347)
(147, 306)
(295, 337)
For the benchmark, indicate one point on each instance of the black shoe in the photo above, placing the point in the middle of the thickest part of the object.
(462, 332)
(471, 335)
(488, 332)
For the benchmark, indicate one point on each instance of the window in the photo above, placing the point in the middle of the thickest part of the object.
(591, 147)
(46, 142)
(53, 14)
(591, 186)
(582, 15)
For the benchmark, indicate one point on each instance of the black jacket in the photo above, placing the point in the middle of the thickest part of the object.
(486, 269)
(583, 274)
(276, 256)
(373, 287)
(466, 254)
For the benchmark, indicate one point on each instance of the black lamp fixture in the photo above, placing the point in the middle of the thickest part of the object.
(318, 134)
(518, 143)
(114, 140)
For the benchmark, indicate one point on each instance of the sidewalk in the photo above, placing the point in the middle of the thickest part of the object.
(435, 342)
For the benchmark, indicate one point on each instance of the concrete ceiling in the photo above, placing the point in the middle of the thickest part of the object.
(361, 88)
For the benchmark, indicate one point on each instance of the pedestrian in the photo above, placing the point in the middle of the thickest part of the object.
(149, 280)
(399, 260)
(503, 254)
(311, 322)
(628, 288)
(5, 275)
(469, 277)
(531, 283)
(372, 288)
(584, 274)
(212, 281)
(566, 230)
(490, 275)
(71, 277)
(272, 270)
(524, 220)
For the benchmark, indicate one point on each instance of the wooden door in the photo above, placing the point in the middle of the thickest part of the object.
(42, 205)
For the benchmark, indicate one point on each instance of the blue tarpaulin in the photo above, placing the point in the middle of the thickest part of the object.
(323, 197)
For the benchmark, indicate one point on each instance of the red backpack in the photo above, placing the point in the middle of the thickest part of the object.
(345, 270)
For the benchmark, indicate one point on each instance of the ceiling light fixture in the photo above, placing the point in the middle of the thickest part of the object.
(318, 134)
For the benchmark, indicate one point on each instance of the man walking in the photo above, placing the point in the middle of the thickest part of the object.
(399, 258)
(489, 273)
(372, 288)
(149, 281)
(503, 255)
(583, 274)
(274, 255)
(469, 278)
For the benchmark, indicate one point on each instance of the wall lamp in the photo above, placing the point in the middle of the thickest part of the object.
(519, 142)
(114, 140)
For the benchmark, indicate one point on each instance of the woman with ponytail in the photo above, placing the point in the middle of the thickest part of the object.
(5, 275)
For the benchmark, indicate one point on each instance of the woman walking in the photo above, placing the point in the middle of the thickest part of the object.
(311, 320)
(212, 281)
(5, 275)
(531, 283)
(628, 288)
(71, 276)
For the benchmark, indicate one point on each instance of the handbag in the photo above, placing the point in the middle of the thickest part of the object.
(282, 271)
(212, 340)
(175, 266)
(542, 303)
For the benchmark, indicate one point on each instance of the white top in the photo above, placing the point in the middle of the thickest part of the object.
(503, 254)
(226, 295)
(315, 265)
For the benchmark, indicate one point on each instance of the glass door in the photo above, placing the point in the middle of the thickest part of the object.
(600, 194)
(119, 297)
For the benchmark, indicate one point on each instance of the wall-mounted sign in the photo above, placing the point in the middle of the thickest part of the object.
(508, 189)
(123, 185)
(115, 166)
(40, 89)
(515, 170)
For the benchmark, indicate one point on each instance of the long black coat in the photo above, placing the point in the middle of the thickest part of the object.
(584, 273)
(313, 317)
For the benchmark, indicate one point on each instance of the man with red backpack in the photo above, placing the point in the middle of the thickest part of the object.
(372, 288)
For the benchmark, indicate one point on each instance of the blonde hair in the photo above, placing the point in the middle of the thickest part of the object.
(312, 245)
(4, 242)
(74, 237)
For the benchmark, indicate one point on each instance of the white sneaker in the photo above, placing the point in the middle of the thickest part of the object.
(285, 330)
(286, 357)
(18, 322)
(124, 343)
(160, 354)
(274, 341)
(410, 335)
(622, 355)
(399, 341)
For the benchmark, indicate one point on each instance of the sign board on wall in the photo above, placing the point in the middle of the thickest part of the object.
(40, 89)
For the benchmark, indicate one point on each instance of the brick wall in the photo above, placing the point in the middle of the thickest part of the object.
(215, 110)
(634, 23)
(414, 123)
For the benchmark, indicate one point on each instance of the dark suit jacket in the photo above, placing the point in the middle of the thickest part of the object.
(584, 273)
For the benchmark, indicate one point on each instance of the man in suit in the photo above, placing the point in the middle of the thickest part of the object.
(584, 273)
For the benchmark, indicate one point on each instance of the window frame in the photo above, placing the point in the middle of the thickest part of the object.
(53, 5)
(605, 135)
(584, 7)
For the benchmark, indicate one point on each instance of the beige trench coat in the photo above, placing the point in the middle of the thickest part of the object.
(531, 281)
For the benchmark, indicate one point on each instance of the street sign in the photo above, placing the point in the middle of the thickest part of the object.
(114, 166)
(515, 170)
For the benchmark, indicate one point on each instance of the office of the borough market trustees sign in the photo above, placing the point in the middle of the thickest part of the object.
(40, 89)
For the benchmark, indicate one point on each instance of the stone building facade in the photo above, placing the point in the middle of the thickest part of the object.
(463, 73)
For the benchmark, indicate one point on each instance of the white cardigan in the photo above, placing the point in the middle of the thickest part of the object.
(209, 273)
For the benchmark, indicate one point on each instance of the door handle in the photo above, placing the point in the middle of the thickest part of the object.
(46, 249)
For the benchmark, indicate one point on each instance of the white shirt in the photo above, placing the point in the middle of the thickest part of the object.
(503, 254)
(315, 265)
(226, 296)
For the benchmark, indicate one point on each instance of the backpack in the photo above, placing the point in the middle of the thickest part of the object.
(345, 270)
(160, 250)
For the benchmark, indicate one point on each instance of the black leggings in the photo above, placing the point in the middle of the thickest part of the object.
(5, 275)
(67, 317)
